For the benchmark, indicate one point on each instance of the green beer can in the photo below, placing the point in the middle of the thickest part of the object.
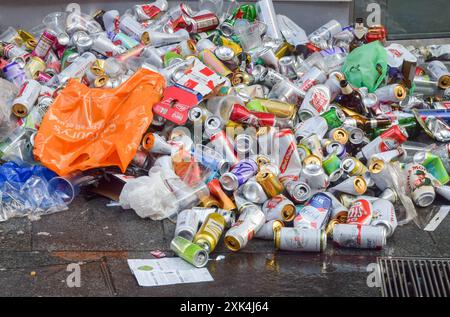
(190, 252)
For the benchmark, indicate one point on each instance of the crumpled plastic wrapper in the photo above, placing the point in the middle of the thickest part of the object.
(149, 196)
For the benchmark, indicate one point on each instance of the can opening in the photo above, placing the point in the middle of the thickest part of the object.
(232, 243)
(360, 185)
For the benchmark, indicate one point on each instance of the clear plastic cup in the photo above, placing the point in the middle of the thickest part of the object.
(214, 6)
(249, 34)
(63, 187)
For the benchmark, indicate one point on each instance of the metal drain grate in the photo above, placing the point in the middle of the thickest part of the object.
(414, 277)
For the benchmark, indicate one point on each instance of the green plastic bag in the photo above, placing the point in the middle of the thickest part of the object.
(366, 66)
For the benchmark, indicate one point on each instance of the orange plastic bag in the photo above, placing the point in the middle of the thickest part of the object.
(87, 128)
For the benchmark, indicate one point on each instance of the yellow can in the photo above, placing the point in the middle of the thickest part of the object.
(210, 232)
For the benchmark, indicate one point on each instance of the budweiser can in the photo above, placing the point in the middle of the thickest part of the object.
(144, 12)
(391, 93)
(223, 145)
(45, 44)
(104, 46)
(288, 158)
(77, 69)
(12, 51)
(384, 216)
(279, 208)
(250, 221)
(359, 236)
(317, 101)
(301, 240)
(187, 224)
(26, 99)
(315, 214)
(380, 174)
(133, 28)
(360, 212)
(389, 140)
(267, 231)
(240, 173)
(313, 77)
(315, 125)
(438, 71)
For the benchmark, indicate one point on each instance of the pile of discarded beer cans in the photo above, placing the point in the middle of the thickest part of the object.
(262, 131)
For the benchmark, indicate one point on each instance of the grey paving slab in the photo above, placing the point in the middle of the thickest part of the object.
(259, 275)
(90, 225)
(441, 236)
(15, 234)
(52, 281)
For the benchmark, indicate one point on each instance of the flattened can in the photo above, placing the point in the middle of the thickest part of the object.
(359, 236)
(315, 213)
(360, 212)
(315, 177)
(187, 224)
(279, 208)
(250, 221)
(267, 231)
(254, 192)
(384, 216)
(190, 252)
(301, 240)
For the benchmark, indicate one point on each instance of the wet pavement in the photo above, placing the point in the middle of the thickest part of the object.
(34, 258)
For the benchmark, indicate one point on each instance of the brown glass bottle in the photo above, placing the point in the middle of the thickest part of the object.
(351, 98)
(359, 32)
(367, 124)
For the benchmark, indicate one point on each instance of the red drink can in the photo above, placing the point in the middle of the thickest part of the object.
(376, 33)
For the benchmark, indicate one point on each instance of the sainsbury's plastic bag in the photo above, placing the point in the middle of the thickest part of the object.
(88, 128)
(366, 66)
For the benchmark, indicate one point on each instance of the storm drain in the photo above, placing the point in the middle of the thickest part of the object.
(414, 277)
